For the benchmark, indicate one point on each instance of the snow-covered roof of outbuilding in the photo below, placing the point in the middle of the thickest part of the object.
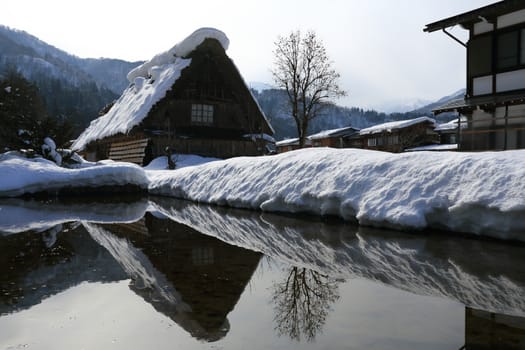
(149, 83)
(346, 131)
(395, 125)
(291, 142)
(451, 125)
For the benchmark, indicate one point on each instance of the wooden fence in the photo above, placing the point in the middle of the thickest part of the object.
(129, 151)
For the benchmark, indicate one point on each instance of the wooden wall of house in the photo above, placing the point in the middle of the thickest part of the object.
(398, 140)
(211, 79)
(334, 142)
(209, 274)
(217, 148)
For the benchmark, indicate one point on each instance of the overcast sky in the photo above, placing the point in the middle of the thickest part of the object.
(378, 46)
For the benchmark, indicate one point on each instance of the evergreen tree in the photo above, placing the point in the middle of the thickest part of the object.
(23, 116)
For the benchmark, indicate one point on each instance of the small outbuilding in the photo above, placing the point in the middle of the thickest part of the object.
(399, 135)
(191, 100)
(335, 138)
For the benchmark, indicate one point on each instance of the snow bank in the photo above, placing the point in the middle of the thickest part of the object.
(181, 161)
(480, 193)
(182, 49)
(134, 104)
(20, 176)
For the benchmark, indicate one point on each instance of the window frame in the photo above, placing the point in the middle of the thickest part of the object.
(202, 114)
(520, 50)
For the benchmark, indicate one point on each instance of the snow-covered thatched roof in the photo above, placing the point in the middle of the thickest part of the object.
(149, 83)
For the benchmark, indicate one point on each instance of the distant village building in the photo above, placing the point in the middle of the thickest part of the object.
(336, 138)
(399, 135)
(191, 99)
(291, 144)
(449, 132)
(494, 104)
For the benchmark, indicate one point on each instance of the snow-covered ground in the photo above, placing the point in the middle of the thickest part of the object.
(19, 176)
(481, 193)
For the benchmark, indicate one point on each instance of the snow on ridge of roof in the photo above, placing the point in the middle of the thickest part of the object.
(134, 104)
(331, 132)
(395, 125)
(292, 141)
(182, 49)
(287, 142)
(451, 125)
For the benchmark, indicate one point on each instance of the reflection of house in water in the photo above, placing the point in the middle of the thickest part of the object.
(487, 330)
(194, 279)
(35, 266)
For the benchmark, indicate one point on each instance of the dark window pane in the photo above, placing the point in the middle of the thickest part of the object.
(480, 56)
(508, 50)
(523, 46)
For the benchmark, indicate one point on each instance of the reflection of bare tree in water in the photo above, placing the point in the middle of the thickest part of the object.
(302, 303)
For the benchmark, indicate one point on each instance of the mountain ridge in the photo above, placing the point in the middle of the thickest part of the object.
(81, 87)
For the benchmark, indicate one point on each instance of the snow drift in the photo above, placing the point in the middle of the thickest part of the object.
(19, 176)
(480, 193)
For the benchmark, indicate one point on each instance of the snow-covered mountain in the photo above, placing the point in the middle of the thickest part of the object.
(274, 104)
(402, 106)
(260, 86)
(80, 87)
(32, 57)
(77, 88)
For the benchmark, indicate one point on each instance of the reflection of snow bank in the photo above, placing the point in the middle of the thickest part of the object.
(18, 215)
(469, 192)
(19, 176)
(483, 275)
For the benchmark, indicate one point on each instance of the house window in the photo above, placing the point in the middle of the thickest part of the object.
(522, 61)
(201, 114)
(508, 54)
(372, 142)
(393, 140)
(480, 55)
(202, 256)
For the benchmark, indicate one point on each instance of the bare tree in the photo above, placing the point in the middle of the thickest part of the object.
(303, 69)
(303, 302)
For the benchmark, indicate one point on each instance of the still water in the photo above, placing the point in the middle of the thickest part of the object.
(166, 274)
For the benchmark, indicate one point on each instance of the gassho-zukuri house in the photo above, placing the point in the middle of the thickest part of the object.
(494, 104)
(190, 99)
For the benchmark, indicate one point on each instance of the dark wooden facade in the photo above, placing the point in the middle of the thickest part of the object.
(494, 103)
(398, 140)
(208, 274)
(336, 138)
(209, 111)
